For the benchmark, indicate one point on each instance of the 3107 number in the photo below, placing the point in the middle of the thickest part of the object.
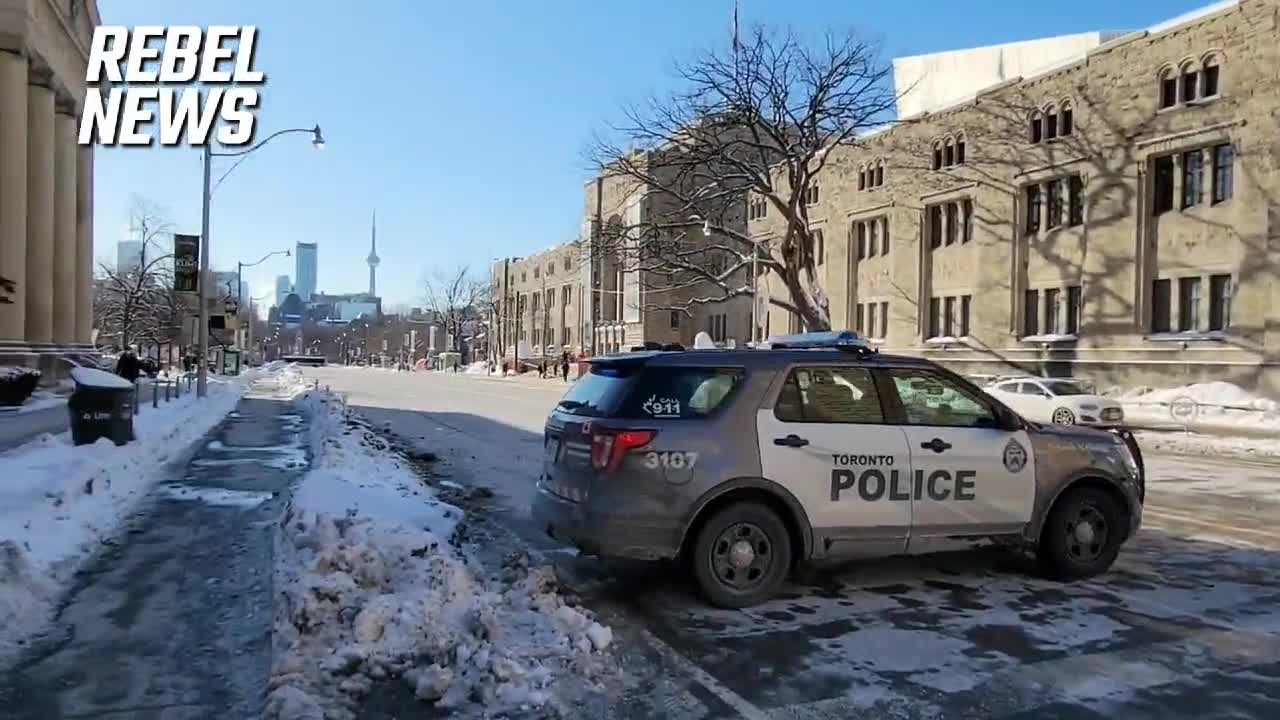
(675, 460)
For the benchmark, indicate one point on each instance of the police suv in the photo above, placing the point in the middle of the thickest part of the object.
(744, 463)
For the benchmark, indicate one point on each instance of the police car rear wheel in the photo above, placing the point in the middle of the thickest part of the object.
(742, 555)
(1083, 535)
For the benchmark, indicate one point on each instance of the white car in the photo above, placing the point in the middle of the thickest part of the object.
(1050, 400)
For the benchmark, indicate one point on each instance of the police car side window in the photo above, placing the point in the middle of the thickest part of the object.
(930, 399)
(829, 395)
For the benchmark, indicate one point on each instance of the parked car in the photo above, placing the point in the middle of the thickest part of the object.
(743, 463)
(1053, 400)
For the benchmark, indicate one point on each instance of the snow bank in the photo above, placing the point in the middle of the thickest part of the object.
(1222, 407)
(59, 502)
(1197, 444)
(480, 367)
(1210, 393)
(373, 590)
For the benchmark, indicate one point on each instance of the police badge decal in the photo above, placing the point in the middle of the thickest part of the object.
(1015, 457)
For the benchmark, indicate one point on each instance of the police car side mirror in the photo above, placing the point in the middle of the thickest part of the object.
(1009, 421)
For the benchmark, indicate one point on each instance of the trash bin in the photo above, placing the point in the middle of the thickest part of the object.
(101, 407)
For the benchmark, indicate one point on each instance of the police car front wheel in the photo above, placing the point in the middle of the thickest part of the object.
(742, 555)
(1083, 534)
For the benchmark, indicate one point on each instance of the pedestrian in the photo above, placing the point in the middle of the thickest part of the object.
(564, 366)
(127, 365)
(542, 368)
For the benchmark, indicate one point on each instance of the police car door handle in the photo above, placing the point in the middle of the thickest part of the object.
(791, 441)
(937, 445)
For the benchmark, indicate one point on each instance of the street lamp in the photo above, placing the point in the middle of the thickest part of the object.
(317, 141)
(240, 266)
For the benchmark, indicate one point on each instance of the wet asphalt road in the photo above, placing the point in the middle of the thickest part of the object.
(1186, 625)
(173, 619)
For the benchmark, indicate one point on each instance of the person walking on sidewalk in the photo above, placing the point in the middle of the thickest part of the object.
(564, 366)
(127, 366)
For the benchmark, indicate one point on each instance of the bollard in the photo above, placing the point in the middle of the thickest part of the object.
(137, 393)
(166, 391)
(155, 395)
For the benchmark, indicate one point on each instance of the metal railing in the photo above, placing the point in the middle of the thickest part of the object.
(168, 388)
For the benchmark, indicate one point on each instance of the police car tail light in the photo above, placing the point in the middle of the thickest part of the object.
(609, 446)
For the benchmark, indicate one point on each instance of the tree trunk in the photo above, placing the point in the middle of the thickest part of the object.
(808, 297)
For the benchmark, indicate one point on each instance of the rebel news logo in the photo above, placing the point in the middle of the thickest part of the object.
(183, 81)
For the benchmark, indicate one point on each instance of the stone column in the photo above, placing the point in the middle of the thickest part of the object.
(13, 193)
(84, 245)
(65, 221)
(40, 186)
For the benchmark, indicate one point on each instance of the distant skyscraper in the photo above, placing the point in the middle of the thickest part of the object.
(305, 271)
(128, 256)
(283, 288)
(373, 256)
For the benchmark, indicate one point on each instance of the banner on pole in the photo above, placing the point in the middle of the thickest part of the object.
(186, 263)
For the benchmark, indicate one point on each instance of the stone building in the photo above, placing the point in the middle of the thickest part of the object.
(592, 295)
(538, 308)
(46, 179)
(1115, 217)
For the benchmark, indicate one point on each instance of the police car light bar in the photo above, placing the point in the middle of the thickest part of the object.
(832, 339)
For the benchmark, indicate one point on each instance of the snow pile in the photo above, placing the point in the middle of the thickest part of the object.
(1179, 443)
(1210, 393)
(13, 372)
(59, 502)
(285, 379)
(1221, 406)
(374, 594)
(480, 367)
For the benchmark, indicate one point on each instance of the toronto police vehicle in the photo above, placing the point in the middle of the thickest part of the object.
(745, 463)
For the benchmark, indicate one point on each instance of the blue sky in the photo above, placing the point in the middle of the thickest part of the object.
(463, 123)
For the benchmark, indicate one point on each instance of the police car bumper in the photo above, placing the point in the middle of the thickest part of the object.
(602, 534)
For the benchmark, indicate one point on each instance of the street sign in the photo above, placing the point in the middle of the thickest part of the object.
(186, 263)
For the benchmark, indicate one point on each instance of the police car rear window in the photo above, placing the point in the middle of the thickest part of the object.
(680, 393)
(600, 392)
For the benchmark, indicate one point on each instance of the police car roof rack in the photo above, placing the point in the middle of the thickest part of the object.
(846, 340)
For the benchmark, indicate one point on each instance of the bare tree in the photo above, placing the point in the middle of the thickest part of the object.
(454, 296)
(137, 302)
(755, 120)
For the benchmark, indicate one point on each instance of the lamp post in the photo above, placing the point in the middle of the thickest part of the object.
(317, 140)
(240, 266)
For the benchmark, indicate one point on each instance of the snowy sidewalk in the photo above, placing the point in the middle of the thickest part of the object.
(173, 619)
(59, 502)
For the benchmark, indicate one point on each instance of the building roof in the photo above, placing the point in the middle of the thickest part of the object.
(937, 81)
